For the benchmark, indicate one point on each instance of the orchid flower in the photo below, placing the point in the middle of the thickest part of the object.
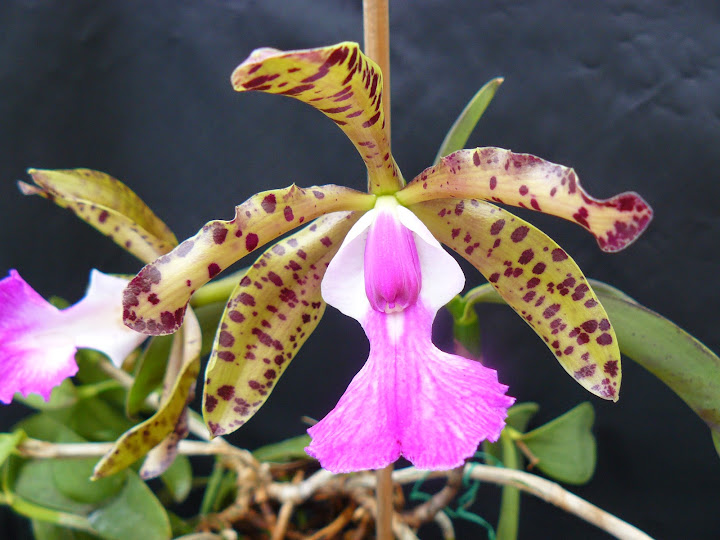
(376, 257)
(38, 341)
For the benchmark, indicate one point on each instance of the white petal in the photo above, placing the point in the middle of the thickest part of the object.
(343, 285)
(96, 322)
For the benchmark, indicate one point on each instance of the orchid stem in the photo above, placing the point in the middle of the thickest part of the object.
(376, 27)
(376, 33)
(384, 496)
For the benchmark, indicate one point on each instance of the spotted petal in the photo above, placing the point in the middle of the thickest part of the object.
(138, 441)
(108, 205)
(341, 82)
(537, 279)
(155, 301)
(527, 181)
(271, 313)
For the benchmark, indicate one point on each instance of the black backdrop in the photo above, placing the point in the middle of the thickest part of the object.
(626, 92)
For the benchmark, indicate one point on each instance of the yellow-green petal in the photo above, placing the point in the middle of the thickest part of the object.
(538, 280)
(162, 456)
(523, 180)
(339, 81)
(155, 300)
(271, 313)
(138, 441)
(108, 205)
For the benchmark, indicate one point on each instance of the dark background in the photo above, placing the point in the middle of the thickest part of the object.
(628, 93)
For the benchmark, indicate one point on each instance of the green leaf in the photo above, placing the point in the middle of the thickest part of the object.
(63, 395)
(509, 519)
(517, 419)
(149, 375)
(209, 318)
(72, 476)
(519, 415)
(466, 328)
(94, 419)
(42, 530)
(9, 442)
(462, 128)
(134, 513)
(667, 351)
(287, 450)
(565, 447)
(35, 484)
(178, 478)
(507, 453)
(91, 370)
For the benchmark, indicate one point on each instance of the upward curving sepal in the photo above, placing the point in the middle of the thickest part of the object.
(527, 181)
(108, 205)
(155, 300)
(339, 81)
(538, 280)
(270, 314)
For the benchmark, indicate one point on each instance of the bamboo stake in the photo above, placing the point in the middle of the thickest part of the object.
(376, 33)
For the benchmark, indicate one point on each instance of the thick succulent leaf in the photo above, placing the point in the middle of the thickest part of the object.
(108, 205)
(462, 127)
(667, 351)
(270, 314)
(178, 478)
(72, 476)
(565, 447)
(138, 441)
(134, 512)
(155, 300)
(537, 279)
(339, 81)
(527, 181)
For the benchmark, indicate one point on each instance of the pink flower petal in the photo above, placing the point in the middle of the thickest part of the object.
(34, 355)
(410, 399)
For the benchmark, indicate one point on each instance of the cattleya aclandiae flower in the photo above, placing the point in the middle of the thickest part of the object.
(38, 341)
(376, 257)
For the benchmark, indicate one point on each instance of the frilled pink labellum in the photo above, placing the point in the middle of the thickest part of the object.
(38, 342)
(410, 399)
(392, 267)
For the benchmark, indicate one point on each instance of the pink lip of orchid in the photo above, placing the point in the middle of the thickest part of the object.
(410, 398)
(38, 342)
(376, 257)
